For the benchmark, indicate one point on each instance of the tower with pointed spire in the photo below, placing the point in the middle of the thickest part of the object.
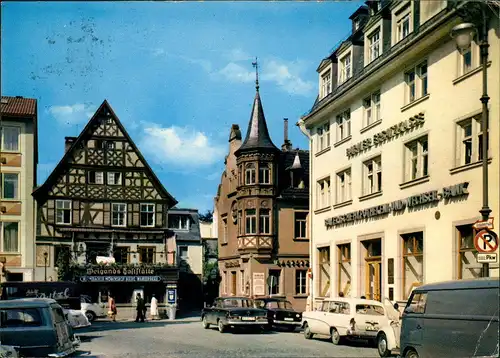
(262, 203)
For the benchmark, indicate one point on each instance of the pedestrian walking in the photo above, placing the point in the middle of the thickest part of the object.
(112, 311)
(141, 308)
(154, 308)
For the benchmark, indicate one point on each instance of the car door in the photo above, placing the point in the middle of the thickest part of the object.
(210, 312)
(413, 321)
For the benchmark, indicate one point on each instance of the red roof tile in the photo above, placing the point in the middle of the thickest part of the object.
(18, 106)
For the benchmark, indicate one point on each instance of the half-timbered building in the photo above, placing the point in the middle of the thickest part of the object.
(102, 200)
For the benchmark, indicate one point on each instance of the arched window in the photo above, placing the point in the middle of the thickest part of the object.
(250, 174)
(264, 173)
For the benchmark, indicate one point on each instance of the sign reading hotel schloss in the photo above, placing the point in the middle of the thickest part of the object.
(382, 137)
(399, 205)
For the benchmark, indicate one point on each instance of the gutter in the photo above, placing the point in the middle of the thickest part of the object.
(302, 126)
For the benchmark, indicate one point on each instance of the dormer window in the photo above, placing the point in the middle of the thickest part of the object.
(402, 21)
(374, 45)
(178, 222)
(345, 68)
(326, 83)
(250, 174)
(264, 173)
(356, 25)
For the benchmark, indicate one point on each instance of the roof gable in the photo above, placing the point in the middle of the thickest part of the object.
(104, 123)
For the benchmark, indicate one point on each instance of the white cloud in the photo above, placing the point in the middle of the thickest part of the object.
(180, 146)
(286, 76)
(237, 73)
(237, 54)
(71, 114)
(213, 176)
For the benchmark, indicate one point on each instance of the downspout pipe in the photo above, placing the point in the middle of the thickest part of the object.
(302, 126)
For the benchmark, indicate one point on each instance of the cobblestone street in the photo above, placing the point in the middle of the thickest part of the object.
(187, 338)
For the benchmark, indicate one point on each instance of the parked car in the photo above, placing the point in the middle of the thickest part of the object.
(93, 310)
(76, 318)
(37, 327)
(8, 352)
(388, 335)
(280, 313)
(452, 319)
(345, 317)
(234, 312)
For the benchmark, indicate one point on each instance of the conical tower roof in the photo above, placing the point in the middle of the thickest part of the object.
(257, 134)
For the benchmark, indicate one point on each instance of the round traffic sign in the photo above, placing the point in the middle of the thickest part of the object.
(486, 241)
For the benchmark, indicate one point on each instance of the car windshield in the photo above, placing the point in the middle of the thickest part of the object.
(279, 305)
(236, 303)
(372, 310)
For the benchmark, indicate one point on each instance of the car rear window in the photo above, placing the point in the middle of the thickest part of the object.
(21, 317)
(58, 314)
(370, 310)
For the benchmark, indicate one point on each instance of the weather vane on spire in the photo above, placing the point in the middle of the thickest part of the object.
(256, 65)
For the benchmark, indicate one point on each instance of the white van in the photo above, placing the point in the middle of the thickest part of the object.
(452, 319)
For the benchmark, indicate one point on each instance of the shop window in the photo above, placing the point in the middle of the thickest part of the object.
(121, 255)
(324, 271)
(413, 262)
(344, 269)
(275, 288)
(467, 256)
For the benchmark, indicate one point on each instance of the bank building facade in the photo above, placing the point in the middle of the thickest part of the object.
(395, 154)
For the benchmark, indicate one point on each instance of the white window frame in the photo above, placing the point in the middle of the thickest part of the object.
(326, 83)
(345, 67)
(179, 222)
(301, 275)
(265, 216)
(2, 138)
(264, 173)
(250, 222)
(323, 193)
(323, 136)
(344, 186)
(112, 176)
(2, 248)
(343, 125)
(416, 81)
(99, 177)
(401, 30)
(374, 48)
(119, 214)
(142, 211)
(250, 174)
(62, 205)
(474, 54)
(2, 186)
(301, 222)
(417, 158)
(372, 180)
(371, 108)
(473, 139)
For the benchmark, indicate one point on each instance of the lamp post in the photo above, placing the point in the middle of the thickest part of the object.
(478, 15)
(45, 255)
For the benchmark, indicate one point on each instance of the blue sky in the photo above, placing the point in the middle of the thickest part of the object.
(176, 74)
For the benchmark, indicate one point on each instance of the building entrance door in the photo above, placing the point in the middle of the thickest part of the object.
(373, 285)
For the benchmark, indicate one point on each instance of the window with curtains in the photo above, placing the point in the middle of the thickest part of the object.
(9, 184)
(10, 236)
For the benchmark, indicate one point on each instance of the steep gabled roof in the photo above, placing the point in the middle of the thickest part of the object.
(257, 134)
(18, 106)
(51, 180)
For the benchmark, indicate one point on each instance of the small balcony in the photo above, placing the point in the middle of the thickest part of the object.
(255, 244)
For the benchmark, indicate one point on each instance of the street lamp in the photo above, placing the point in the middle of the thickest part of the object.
(464, 33)
(45, 255)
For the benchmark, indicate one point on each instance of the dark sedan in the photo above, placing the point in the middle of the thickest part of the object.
(280, 313)
(234, 312)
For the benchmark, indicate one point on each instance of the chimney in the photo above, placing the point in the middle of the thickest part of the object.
(287, 145)
(68, 142)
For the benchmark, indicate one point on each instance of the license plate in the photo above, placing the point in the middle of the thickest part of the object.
(248, 318)
(371, 328)
(288, 319)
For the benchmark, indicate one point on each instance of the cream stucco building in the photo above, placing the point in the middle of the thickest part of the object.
(18, 161)
(395, 153)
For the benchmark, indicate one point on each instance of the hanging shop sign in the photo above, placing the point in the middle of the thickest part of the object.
(121, 279)
(385, 135)
(139, 271)
(414, 201)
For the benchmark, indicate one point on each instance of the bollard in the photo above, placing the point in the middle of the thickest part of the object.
(171, 312)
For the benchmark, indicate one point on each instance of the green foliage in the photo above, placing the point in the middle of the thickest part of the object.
(208, 217)
(64, 271)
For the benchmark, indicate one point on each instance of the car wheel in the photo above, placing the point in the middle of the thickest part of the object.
(206, 325)
(411, 354)
(91, 316)
(335, 336)
(221, 326)
(307, 332)
(382, 345)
